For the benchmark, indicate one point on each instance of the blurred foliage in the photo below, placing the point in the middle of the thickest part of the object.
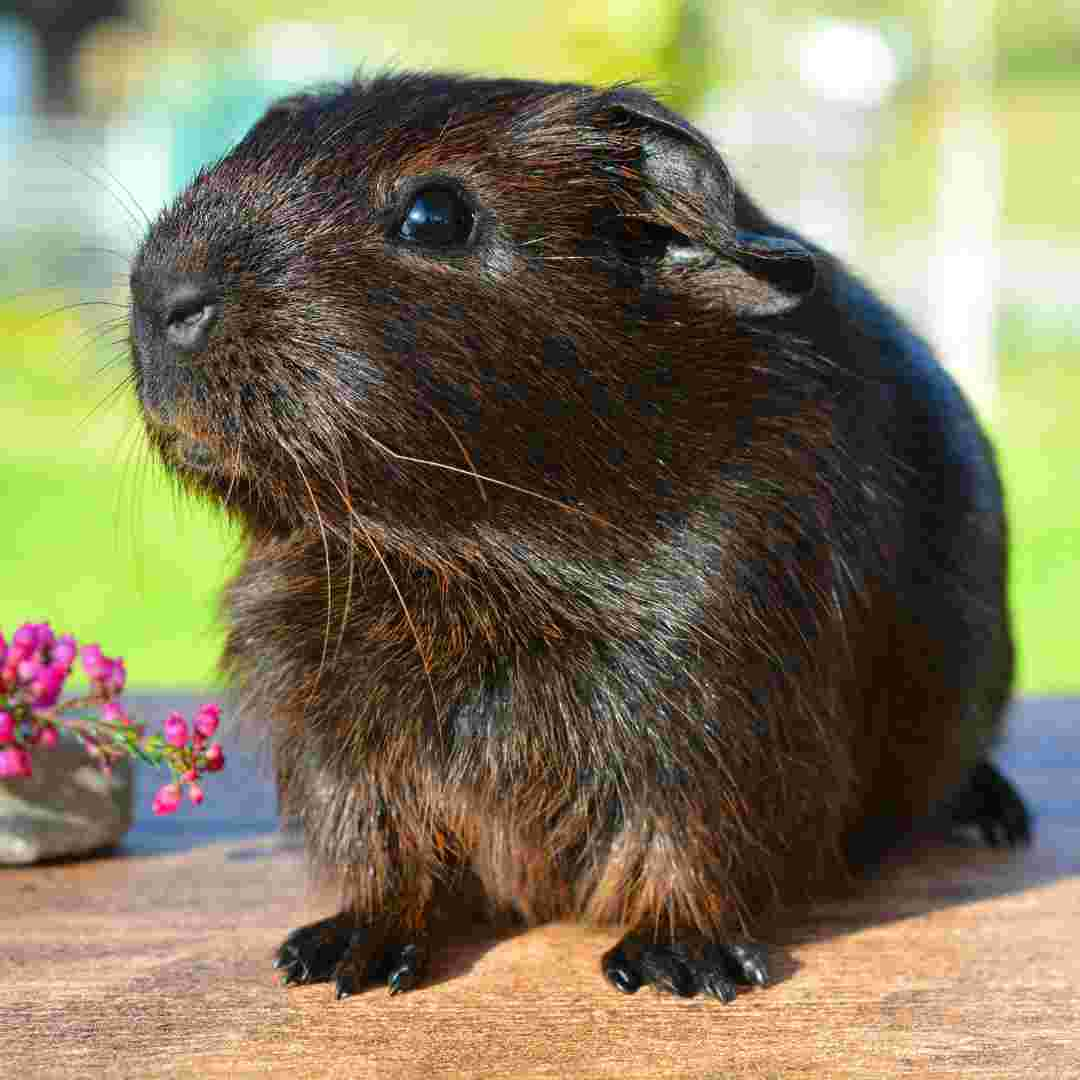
(94, 540)
(1038, 436)
(610, 40)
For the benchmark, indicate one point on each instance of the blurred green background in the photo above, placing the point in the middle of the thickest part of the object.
(95, 538)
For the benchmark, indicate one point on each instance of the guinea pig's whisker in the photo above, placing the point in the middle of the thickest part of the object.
(126, 207)
(465, 453)
(343, 491)
(53, 312)
(110, 398)
(98, 337)
(117, 324)
(137, 460)
(86, 249)
(499, 483)
(326, 554)
(424, 659)
(234, 474)
(58, 287)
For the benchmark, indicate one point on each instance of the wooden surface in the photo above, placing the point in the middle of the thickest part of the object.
(155, 962)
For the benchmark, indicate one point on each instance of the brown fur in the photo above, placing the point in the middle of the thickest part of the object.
(569, 570)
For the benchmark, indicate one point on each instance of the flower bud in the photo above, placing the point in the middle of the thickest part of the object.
(116, 676)
(26, 670)
(7, 727)
(63, 652)
(112, 713)
(14, 762)
(93, 662)
(206, 720)
(215, 758)
(46, 687)
(195, 794)
(176, 730)
(167, 799)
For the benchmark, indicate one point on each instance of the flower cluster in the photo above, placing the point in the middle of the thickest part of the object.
(33, 670)
(189, 754)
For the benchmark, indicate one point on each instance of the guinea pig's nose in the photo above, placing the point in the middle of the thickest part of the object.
(189, 310)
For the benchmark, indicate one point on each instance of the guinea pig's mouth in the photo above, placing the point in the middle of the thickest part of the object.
(189, 452)
(193, 454)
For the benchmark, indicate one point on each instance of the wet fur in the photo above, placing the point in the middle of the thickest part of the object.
(565, 573)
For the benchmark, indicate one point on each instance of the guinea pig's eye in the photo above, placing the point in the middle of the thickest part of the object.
(437, 217)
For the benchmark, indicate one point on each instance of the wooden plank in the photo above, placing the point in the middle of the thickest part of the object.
(154, 962)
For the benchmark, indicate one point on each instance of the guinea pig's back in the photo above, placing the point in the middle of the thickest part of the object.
(945, 656)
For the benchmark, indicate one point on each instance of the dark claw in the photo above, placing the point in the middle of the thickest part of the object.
(992, 805)
(749, 961)
(406, 969)
(667, 971)
(402, 979)
(618, 972)
(688, 966)
(352, 957)
(310, 953)
(718, 986)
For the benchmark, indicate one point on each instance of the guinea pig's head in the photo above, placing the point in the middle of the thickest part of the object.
(444, 308)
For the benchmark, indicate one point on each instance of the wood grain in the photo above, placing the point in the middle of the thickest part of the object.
(154, 962)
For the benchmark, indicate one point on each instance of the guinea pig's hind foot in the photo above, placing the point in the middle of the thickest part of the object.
(352, 956)
(989, 803)
(690, 964)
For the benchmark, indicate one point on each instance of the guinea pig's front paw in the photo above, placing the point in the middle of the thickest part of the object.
(688, 965)
(353, 956)
(989, 803)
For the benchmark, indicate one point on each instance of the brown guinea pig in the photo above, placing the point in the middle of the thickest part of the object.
(612, 552)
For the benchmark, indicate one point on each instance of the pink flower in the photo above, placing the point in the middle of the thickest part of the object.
(25, 639)
(48, 737)
(93, 662)
(46, 687)
(195, 794)
(167, 799)
(206, 720)
(15, 761)
(26, 670)
(113, 713)
(176, 729)
(7, 727)
(116, 676)
(3, 649)
(215, 758)
(63, 653)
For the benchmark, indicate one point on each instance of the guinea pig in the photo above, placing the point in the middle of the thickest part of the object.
(612, 553)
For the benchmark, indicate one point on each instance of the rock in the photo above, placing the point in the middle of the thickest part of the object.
(67, 807)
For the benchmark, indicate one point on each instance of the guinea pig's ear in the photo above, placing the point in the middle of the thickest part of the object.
(691, 191)
(770, 274)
